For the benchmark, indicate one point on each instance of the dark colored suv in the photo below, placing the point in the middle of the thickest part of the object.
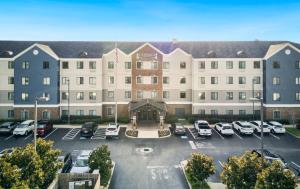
(88, 129)
(67, 163)
(44, 127)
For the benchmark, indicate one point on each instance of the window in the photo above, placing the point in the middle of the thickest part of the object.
(154, 79)
(46, 96)
(65, 65)
(229, 65)
(110, 94)
(46, 65)
(166, 94)
(111, 80)
(153, 94)
(139, 65)
(79, 112)
(242, 65)
(154, 65)
(45, 115)
(166, 65)
(10, 113)
(127, 94)
(229, 80)
(229, 112)
(139, 94)
(166, 80)
(25, 80)
(276, 80)
(276, 96)
(139, 80)
(182, 65)
(10, 96)
(201, 96)
(276, 114)
(201, 65)
(298, 96)
(201, 111)
(214, 80)
(79, 80)
(242, 112)
(109, 111)
(256, 80)
(11, 80)
(297, 80)
(214, 65)
(214, 95)
(297, 64)
(92, 95)
(24, 115)
(257, 95)
(229, 95)
(46, 81)
(256, 112)
(11, 64)
(214, 112)
(92, 65)
(25, 65)
(64, 95)
(202, 80)
(80, 96)
(64, 112)
(79, 64)
(182, 80)
(276, 65)
(256, 64)
(24, 96)
(92, 80)
(127, 80)
(182, 94)
(242, 80)
(242, 95)
(92, 112)
(127, 65)
(65, 80)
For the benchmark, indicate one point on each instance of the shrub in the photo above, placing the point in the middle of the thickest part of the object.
(132, 133)
(163, 133)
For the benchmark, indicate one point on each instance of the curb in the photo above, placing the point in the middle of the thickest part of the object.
(111, 175)
(293, 135)
(130, 136)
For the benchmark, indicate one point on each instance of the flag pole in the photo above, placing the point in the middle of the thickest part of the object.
(116, 80)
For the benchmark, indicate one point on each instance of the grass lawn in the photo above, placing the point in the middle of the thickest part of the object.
(294, 131)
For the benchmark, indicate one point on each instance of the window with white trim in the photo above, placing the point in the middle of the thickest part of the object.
(65, 65)
(229, 64)
(229, 112)
(110, 65)
(25, 65)
(297, 80)
(214, 95)
(11, 64)
(92, 95)
(166, 65)
(154, 79)
(110, 94)
(166, 94)
(214, 80)
(64, 80)
(298, 96)
(256, 64)
(92, 80)
(24, 96)
(46, 96)
(109, 111)
(92, 112)
(242, 64)
(229, 95)
(10, 113)
(214, 65)
(80, 112)
(154, 65)
(242, 80)
(242, 95)
(297, 64)
(64, 95)
(111, 80)
(276, 80)
(256, 80)
(79, 80)
(79, 64)
(182, 65)
(229, 80)
(45, 115)
(46, 81)
(127, 65)
(92, 65)
(25, 80)
(276, 114)
(182, 80)
(127, 80)
(153, 94)
(11, 80)
(80, 96)
(139, 94)
(242, 112)
(182, 94)
(166, 80)
(128, 94)
(214, 112)
(276, 96)
(201, 95)
(139, 80)
(201, 111)
(202, 80)
(201, 65)
(139, 65)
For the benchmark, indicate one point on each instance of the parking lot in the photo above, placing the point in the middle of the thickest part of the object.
(160, 167)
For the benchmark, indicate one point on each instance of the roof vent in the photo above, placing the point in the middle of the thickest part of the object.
(83, 54)
(241, 54)
(211, 54)
(7, 53)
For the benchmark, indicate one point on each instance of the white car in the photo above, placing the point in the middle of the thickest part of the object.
(224, 128)
(243, 127)
(203, 128)
(276, 127)
(81, 163)
(24, 128)
(256, 126)
(112, 130)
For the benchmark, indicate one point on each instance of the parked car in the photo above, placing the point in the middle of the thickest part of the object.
(112, 130)
(276, 127)
(270, 157)
(81, 163)
(7, 150)
(8, 127)
(44, 127)
(256, 125)
(224, 128)
(243, 127)
(88, 129)
(178, 129)
(203, 128)
(24, 128)
(67, 163)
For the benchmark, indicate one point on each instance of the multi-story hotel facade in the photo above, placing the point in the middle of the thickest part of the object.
(147, 79)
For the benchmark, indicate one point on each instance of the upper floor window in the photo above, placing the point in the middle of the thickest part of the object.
(110, 94)
(154, 80)
(276, 65)
(128, 65)
(242, 64)
(166, 80)
(242, 96)
(11, 80)
(229, 95)
(242, 80)
(182, 94)
(298, 64)
(201, 96)
(79, 64)
(25, 65)
(297, 80)
(298, 96)
(166, 65)
(64, 95)
(25, 80)
(258, 95)
(79, 80)
(80, 96)
(182, 65)
(92, 95)
(153, 94)
(92, 80)
(24, 96)
(65, 65)
(214, 80)
(11, 64)
(229, 80)
(214, 95)
(154, 65)
(166, 94)
(127, 94)
(214, 65)
(202, 80)
(46, 96)
(128, 80)
(256, 80)
(139, 94)
(92, 65)
(182, 80)
(10, 96)
(46, 65)
(65, 80)
(256, 64)
(111, 80)
(201, 65)
(229, 65)
(276, 96)
(139, 80)
(139, 65)
(276, 80)
(46, 81)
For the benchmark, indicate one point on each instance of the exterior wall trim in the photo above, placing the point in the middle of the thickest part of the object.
(39, 106)
(281, 105)
(145, 44)
(41, 47)
(178, 102)
(226, 104)
(180, 50)
(279, 49)
(8, 104)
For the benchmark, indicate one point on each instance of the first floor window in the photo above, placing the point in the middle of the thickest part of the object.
(92, 95)
(46, 81)
(127, 94)
(242, 112)
(10, 96)
(92, 80)
(24, 115)
(64, 95)
(276, 96)
(92, 112)
(24, 96)
(298, 96)
(80, 96)
(64, 112)
(214, 95)
(10, 113)
(79, 112)
(257, 94)
(202, 96)
(46, 115)
(201, 111)
(110, 111)
(214, 112)
(229, 112)
(182, 94)
(276, 114)
(256, 112)
(166, 94)
(242, 96)
(139, 94)
(110, 94)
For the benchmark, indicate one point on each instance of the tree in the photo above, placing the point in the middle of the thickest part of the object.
(199, 168)
(100, 159)
(275, 177)
(240, 171)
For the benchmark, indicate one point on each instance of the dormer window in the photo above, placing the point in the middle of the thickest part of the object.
(83, 54)
(241, 54)
(211, 54)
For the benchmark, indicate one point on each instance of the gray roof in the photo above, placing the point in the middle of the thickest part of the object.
(95, 49)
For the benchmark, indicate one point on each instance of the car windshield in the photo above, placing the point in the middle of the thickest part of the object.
(81, 163)
(278, 126)
(179, 126)
(5, 125)
(40, 126)
(22, 125)
(111, 129)
(203, 126)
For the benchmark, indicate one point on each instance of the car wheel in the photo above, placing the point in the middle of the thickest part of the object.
(272, 131)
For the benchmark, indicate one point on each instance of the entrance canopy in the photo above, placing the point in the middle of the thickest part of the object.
(135, 106)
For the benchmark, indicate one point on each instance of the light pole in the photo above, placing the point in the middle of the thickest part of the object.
(35, 117)
(68, 80)
(116, 83)
(253, 97)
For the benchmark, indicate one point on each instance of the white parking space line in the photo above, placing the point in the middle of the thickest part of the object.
(238, 135)
(71, 134)
(296, 164)
(99, 134)
(7, 138)
(218, 133)
(50, 133)
(28, 136)
(256, 136)
(221, 163)
(192, 133)
(193, 146)
(278, 138)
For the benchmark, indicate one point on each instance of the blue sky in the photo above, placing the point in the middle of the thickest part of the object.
(150, 20)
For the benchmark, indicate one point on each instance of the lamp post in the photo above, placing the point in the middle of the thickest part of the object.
(35, 117)
(68, 80)
(253, 98)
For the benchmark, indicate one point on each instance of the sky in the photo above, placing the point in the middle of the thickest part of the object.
(150, 20)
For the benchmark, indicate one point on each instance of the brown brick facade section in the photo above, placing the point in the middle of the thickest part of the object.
(144, 56)
(171, 108)
(285, 113)
(54, 113)
(122, 110)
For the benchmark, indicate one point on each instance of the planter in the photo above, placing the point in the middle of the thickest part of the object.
(164, 133)
(111, 175)
(131, 133)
